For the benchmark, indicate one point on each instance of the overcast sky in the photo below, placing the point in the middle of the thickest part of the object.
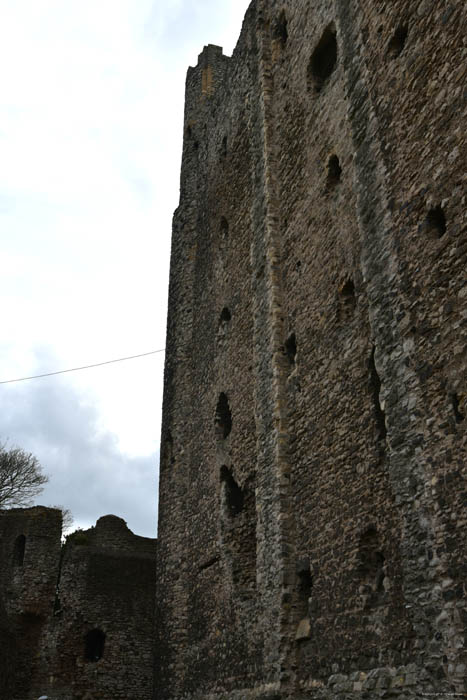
(91, 114)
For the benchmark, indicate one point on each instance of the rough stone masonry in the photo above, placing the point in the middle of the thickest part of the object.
(76, 620)
(312, 529)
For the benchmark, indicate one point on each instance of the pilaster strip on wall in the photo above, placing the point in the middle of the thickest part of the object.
(274, 541)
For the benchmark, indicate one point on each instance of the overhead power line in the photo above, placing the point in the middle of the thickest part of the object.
(76, 369)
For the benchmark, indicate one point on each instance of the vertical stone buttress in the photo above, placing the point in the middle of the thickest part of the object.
(274, 554)
(408, 471)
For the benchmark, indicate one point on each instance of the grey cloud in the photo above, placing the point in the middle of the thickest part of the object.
(88, 473)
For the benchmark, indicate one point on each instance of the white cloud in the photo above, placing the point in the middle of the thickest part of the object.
(91, 112)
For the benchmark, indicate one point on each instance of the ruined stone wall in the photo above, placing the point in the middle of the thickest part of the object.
(29, 557)
(7, 654)
(100, 639)
(79, 618)
(312, 520)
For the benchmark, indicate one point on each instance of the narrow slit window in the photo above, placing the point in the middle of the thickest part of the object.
(223, 417)
(346, 300)
(291, 349)
(224, 148)
(19, 549)
(375, 387)
(305, 579)
(304, 590)
(94, 644)
(334, 172)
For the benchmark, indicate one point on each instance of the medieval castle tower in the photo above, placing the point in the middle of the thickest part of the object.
(312, 519)
(313, 522)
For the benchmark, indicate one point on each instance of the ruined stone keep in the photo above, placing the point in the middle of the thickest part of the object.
(312, 522)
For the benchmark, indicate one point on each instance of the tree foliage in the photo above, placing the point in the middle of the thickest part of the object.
(21, 477)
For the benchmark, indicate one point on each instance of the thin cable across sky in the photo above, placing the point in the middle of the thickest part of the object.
(76, 369)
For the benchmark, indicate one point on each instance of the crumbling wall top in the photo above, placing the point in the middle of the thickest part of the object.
(111, 533)
(210, 54)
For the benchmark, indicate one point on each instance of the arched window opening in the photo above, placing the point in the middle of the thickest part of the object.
(348, 289)
(19, 549)
(334, 171)
(94, 643)
(323, 60)
(397, 42)
(223, 417)
(436, 222)
(234, 496)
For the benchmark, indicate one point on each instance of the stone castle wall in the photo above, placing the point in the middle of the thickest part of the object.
(30, 559)
(312, 519)
(79, 618)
